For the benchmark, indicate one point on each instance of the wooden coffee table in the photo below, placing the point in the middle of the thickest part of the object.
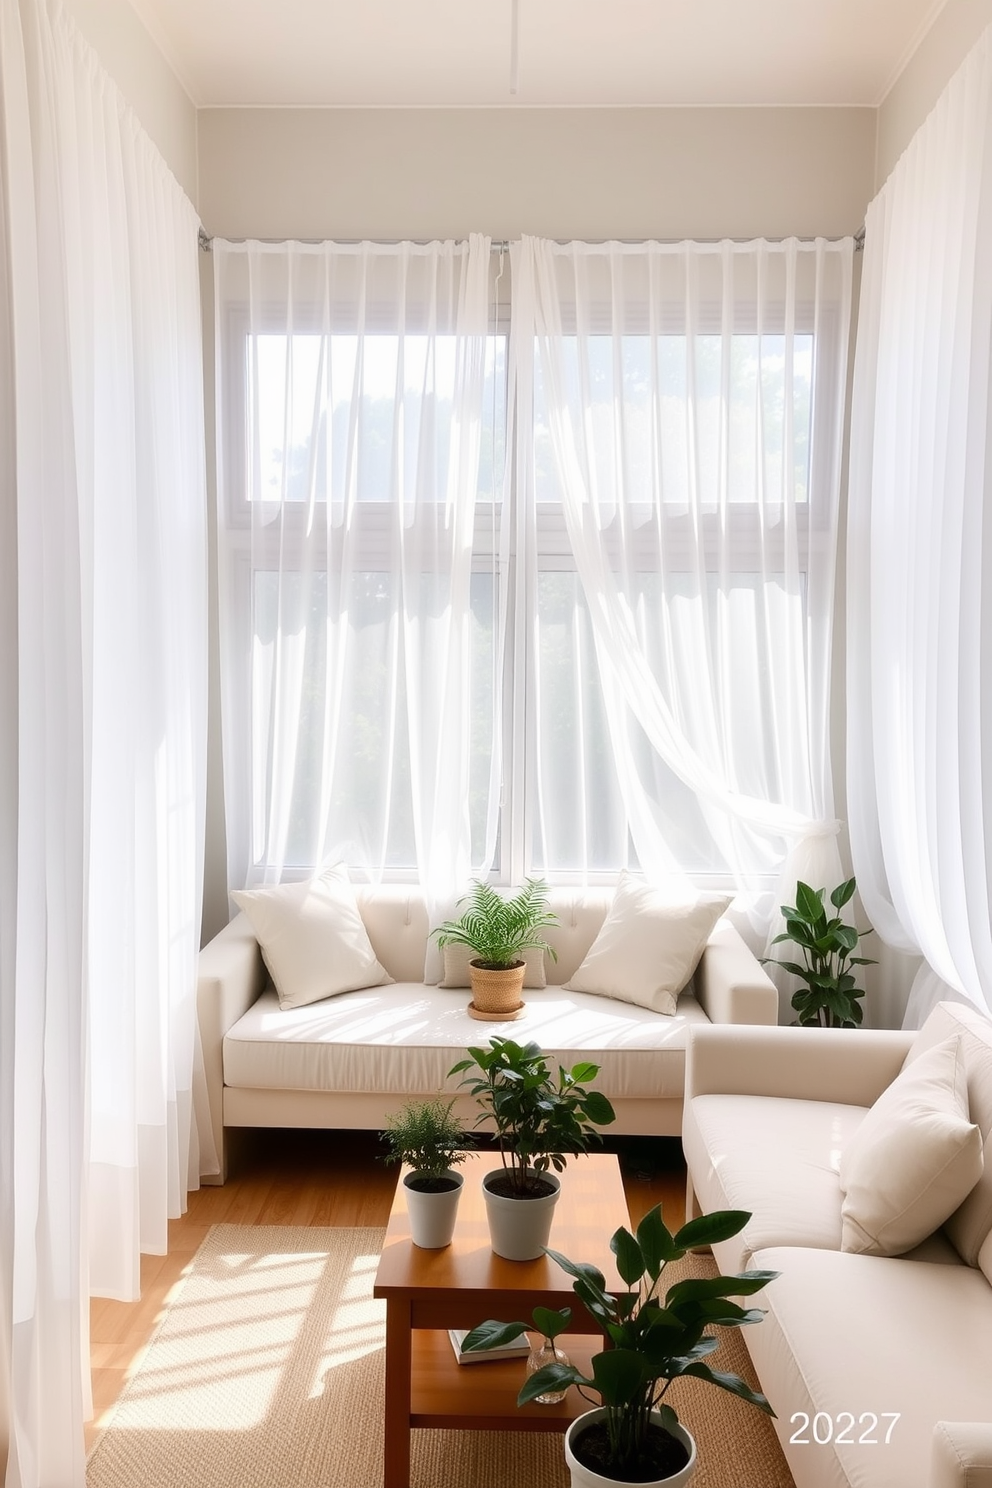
(429, 1291)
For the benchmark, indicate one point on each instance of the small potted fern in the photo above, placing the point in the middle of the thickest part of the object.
(499, 930)
(428, 1138)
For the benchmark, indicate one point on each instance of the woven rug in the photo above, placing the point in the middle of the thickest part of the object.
(267, 1372)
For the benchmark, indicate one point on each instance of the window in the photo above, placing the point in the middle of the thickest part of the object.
(693, 453)
(362, 420)
(433, 667)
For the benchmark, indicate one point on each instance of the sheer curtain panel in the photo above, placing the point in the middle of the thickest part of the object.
(358, 608)
(920, 552)
(102, 716)
(680, 475)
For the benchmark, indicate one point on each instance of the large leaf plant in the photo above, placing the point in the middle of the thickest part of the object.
(653, 1338)
(540, 1117)
(831, 995)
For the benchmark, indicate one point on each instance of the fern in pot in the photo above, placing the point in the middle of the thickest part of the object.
(498, 930)
(541, 1118)
(429, 1139)
(655, 1337)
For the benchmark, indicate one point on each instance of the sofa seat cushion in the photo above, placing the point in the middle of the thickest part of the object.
(777, 1158)
(853, 1335)
(403, 1039)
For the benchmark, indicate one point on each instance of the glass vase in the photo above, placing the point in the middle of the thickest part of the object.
(547, 1353)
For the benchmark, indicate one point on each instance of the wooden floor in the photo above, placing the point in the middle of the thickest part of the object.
(309, 1178)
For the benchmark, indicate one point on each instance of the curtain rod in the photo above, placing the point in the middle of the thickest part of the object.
(502, 244)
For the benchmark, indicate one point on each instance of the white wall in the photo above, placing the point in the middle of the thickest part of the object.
(146, 80)
(563, 173)
(919, 85)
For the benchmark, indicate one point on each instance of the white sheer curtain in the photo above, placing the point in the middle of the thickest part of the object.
(688, 422)
(102, 674)
(920, 552)
(358, 632)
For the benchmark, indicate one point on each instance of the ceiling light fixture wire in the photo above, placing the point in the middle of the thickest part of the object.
(514, 47)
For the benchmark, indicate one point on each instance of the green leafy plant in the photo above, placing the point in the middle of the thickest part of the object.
(497, 929)
(652, 1340)
(428, 1138)
(539, 1118)
(831, 996)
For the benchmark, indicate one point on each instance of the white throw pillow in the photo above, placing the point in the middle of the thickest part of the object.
(456, 967)
(914, 1158)
(649, 945)
(312, 938)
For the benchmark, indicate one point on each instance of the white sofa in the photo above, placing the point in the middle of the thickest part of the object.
(848, 1336)
(351, 1060)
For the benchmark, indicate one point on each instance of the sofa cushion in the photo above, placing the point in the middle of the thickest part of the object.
(312, 938)
(395, 917)
(649, 945)
(403, 1039)
(777, 1158)
(971, 1222)
(867, 1336)
(914, 1158)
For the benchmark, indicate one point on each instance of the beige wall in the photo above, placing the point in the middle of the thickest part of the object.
(563, 173)
(146, 80)
(920, 84)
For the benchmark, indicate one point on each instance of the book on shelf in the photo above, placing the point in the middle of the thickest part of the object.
(518, 1348)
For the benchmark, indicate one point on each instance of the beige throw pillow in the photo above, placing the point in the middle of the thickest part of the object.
(456, 967)
(914, 1158)
(649, 945)
(312, 938)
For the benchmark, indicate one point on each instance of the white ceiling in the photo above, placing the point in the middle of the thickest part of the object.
(570, 52)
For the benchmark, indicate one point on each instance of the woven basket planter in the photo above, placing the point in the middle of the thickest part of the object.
(497, 993)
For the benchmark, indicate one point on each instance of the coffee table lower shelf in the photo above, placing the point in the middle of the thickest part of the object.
(483, 1396)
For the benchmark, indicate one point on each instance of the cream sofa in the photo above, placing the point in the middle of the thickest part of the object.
(351, 1060)
(848, 1337)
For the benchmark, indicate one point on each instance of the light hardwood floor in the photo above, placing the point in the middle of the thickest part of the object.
(307, 1178)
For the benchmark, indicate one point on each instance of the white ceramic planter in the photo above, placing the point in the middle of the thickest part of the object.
(584, 1477)
(432, 1215)
(519, 1229)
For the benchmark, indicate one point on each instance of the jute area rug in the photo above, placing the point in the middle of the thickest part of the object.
(267, 1372)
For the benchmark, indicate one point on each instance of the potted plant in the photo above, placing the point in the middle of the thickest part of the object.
(830, 997)
(499, 930)
(430, 1140)
(540, 1119)
(634, 1436)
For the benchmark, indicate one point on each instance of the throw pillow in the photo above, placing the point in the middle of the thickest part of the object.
(456, 967)
(649, 945)
(915, 1157)
(312, 938)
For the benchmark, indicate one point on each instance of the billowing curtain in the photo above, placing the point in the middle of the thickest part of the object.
(920, 552)
(682, 477)
(358, 631)
(102, 715)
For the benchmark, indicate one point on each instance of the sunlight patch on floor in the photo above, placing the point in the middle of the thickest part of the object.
(241, 1326)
